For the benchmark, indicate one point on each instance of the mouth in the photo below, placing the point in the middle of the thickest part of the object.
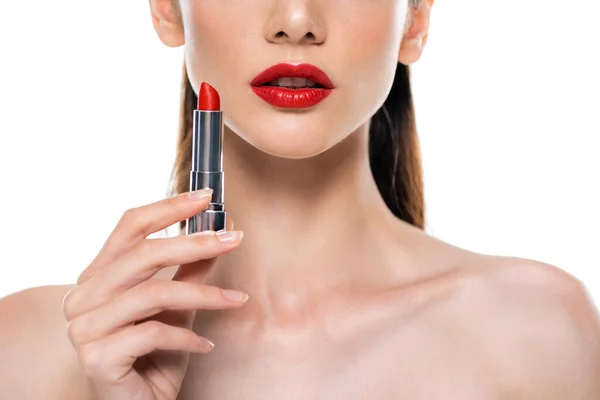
(294, 83)
(288, 86)
(291, 76)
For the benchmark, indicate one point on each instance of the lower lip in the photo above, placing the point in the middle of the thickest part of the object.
(291, 98)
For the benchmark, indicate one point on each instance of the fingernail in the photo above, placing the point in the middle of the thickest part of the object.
(201, 194)
(204, 344)
(229, 236)
(235, 295)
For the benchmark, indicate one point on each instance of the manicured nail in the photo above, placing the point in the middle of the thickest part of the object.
(235, 295)
(229, 236)
(201, 194)
(204, 344)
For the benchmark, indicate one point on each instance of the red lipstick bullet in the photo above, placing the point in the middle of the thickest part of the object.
(208, 99)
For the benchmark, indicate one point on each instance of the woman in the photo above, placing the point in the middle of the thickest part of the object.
(348, 297)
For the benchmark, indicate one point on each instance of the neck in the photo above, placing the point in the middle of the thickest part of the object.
(311, 226)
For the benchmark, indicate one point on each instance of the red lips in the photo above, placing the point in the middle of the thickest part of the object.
(284, 97)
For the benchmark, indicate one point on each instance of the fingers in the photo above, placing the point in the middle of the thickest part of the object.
(198, 271)
(146, 300)
(142, 262)
(137, 223)
(151, 255)
(110, 358)
(117, 313)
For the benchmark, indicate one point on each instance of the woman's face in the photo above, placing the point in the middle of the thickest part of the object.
(355, 42)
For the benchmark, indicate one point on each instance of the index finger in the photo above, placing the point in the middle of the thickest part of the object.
(137, 223)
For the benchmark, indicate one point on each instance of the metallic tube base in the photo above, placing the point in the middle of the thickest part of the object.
(213, 180)
(208, 220)
(213, 218)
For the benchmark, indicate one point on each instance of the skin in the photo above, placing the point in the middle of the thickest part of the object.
(346, 301)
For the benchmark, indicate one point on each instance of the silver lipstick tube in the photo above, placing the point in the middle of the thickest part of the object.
(207, 170)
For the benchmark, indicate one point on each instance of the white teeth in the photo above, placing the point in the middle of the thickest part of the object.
(293, 82)
(300, 82)
(285, 82)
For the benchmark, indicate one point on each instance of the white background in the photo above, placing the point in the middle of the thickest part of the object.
(507, 99)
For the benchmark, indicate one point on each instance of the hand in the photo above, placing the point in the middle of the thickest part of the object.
(133, 334)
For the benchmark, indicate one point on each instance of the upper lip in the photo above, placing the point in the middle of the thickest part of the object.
(283, 70)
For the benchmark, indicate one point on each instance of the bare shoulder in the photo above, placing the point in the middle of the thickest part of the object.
(541, 324)
(37, 360)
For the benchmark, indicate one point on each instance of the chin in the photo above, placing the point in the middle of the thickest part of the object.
(288, 134)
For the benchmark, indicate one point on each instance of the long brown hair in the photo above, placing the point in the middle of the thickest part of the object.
(394, 149)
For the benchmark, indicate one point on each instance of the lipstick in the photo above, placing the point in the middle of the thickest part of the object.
(207, 160)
